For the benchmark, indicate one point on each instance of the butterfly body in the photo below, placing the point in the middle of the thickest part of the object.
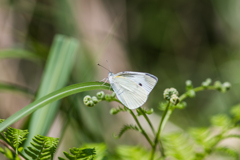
(132, 88)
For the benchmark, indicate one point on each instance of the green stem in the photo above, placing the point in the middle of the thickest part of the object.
(166, 116)
(142, 130)
(185, 95)
(162, 124)
(147, 119)
(136, 120)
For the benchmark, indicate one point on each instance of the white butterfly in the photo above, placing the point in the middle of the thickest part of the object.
(132, 88)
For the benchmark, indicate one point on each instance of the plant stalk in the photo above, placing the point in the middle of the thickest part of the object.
(147, 119)
(162, 124)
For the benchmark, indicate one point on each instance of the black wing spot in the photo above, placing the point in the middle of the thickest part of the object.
(140, 84)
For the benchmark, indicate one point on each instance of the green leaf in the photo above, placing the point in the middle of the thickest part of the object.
(228, 151)
(114, 111)
(44, 151)
(61, 93)
(20, 54)
(1, 120)
(79, 153)
(133, 153)
(146, 111)
(202, 136)
(221, 120)
(15, 137)
(181, 105)
(1, 150)
(17, 89)
(163, 106)
(125, 128)
(100, 149)
(8, 153)
(56, 74)
(178, 146)
(232, 136)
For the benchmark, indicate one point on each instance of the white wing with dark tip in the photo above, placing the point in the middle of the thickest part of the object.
(145, 80)
(133, 88)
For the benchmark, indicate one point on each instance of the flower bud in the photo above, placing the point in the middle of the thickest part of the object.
(226, 85)
(174, 99)
(100, 95)
(189, 84)
(90, 103)
(107, 97)
(95, 100)
(87, 100)
(113, 111)
(191, 93)
(207, 82)
(218, 85)
(167, 94)
(113, 95)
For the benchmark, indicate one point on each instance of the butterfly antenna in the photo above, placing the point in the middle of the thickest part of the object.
(103, 67)
(108, 65)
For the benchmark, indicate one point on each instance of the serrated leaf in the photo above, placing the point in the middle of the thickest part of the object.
(30, 154)
(125, 128)
(202, 136)
(37, 146)
(69, 156)
(114, 111)
(134, 153)
(33, 150)
(146, 111)
(15, 137)
(221, 120)
(100, 149)
(80, 153)
(45, 150)
(227, 151)
(178, 146)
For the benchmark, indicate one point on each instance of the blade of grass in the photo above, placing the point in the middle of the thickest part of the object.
(56, 74)
(54, 96)
(20, 54)
(15, 88)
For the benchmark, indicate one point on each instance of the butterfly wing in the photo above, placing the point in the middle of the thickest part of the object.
(133, 88)
(145, 80)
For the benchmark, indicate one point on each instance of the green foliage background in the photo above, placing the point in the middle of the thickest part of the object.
(174, 40)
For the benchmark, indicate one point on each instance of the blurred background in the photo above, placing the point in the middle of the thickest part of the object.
(173, 40)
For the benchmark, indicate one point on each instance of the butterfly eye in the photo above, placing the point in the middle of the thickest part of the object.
(140, 84)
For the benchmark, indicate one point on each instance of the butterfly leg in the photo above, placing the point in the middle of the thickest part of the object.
(104, 80)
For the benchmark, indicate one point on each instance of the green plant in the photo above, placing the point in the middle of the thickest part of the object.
(42, 147)
(197, 143)
(172, 144)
